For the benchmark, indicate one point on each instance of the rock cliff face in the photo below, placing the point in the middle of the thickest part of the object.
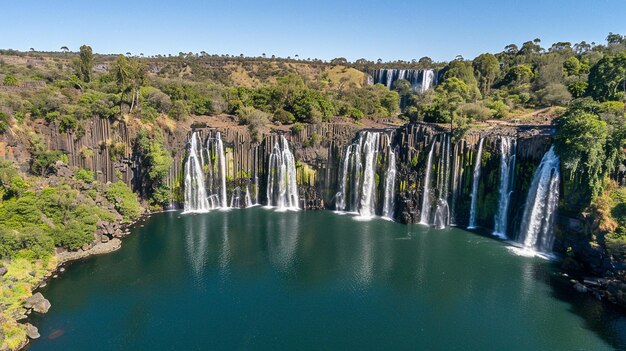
(107, 149)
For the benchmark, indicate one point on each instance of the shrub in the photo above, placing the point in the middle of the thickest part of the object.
(125, 201)
(85, 176)
(4, 122)
(10, 81)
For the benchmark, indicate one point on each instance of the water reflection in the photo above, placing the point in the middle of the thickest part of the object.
(323, 282)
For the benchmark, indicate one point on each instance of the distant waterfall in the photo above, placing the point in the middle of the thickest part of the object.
(442, 211)
(428, 78)
(390, 183)
(195, 192)
(536, 232)
(425, 213)
(475, 184)
(282, 190)
(508, 150)
(370, 148)
(420, 79)
(200, 178)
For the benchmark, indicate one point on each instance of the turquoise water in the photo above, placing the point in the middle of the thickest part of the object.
(260, 280)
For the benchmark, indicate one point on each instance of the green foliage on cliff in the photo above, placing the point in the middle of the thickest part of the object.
(156, 163)
(125, 200)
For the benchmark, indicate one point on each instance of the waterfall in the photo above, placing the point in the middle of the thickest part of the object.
(340, 199)
(508, 148)
(282, 190)
(536, 232)
(425, 215)
(235, 198)
(201, 179)
(221, 161)
(358, 188)
(195, 192)
(370, 148)
(420, 79)
(442, 212)
(475, 184)
(390, 182)
(428, 79)
(249, 202)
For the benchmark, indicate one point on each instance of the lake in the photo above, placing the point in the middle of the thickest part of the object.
(256, 279)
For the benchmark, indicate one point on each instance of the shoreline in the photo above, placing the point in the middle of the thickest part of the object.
(67, 257)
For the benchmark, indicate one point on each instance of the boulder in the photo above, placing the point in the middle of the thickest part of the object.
(32, 331)
(38, 303)
(3, 270)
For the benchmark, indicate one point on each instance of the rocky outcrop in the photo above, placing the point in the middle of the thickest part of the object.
(37, 303)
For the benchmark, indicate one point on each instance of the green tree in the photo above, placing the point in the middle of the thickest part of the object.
(85, 63)
(607, 78)
(487, 68)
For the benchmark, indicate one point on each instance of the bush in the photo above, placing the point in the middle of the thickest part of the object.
(125, 201)
(284, 117)
(4, 122)
(85, 176)
(297, 127)
(42, 161)
(10, 81)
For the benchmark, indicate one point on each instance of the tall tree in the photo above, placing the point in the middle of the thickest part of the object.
(486, 68)
(85, 63)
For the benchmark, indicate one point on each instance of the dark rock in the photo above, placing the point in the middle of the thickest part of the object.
(3, 270)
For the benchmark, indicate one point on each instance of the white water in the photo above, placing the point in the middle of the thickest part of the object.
(340, 200)
(195, 192)
(390, 183)
(425, 213)
(421, 80)
(508, 148)
(200, 177)
(249, 202)
(475, 184)
(282, 190)
(428, 79)
(442, 212)
(368, 194)
(221, 161)
(536, 232)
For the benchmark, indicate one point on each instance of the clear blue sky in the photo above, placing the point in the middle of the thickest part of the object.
(317, 29)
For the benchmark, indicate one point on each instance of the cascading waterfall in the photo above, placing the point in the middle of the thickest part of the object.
(199, 176)
(442, 212)
(428, 78)
(340, 198)
(475, 184)
(536, 232)
(420, 79)
(282, 190)
(425, 213)
(235, 198)
(357, 187)
(508, 149)
(195, 191)
(249, 202)
(221, 161)
(390, 183)
(370, 149)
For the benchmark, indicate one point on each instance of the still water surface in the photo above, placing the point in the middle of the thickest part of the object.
(256, 279)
